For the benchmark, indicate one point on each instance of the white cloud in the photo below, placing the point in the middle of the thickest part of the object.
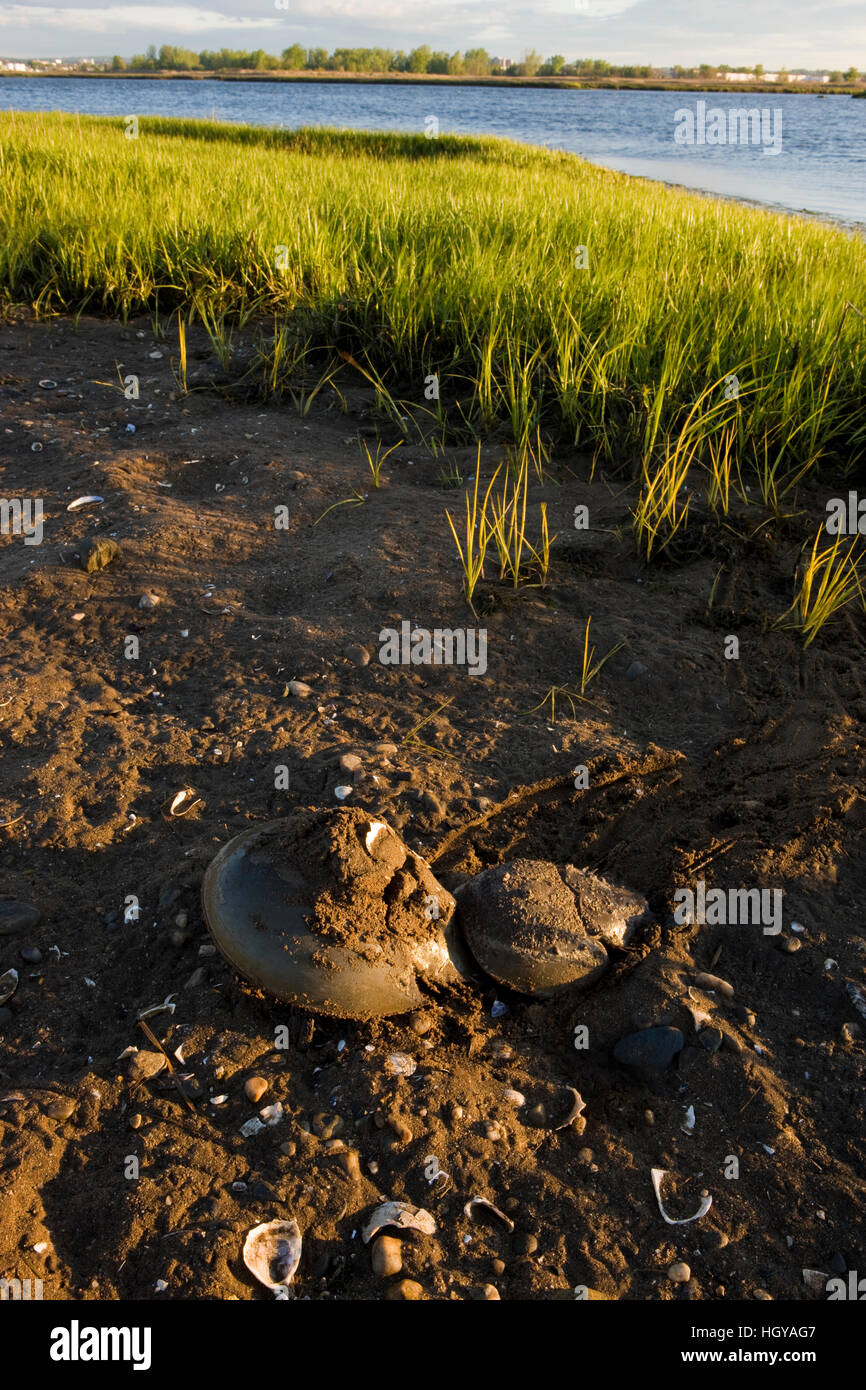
(117, 19)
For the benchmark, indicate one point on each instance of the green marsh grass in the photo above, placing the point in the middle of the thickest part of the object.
(401, 256)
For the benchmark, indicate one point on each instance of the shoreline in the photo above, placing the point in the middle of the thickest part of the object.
(638, 84)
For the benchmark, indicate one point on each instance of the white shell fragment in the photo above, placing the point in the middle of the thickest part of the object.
(401, 1215)
(473, 1205)
(251, 1127)
(399, 1064)
(272, 1252)
(815, 1279)
(857, 997)
(688, 1125)
(8, 985)
(83, 501)
(376, 828)
(342, 792)
(706, 1202)
(577, 1109)
(272, 1114)
(178, 805)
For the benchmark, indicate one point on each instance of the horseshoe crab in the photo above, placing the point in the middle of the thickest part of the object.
(522, 925)
(331, 911)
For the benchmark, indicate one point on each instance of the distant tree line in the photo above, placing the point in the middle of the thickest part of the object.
(475, 62)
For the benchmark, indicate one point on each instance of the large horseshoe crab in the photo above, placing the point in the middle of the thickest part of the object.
(331, 911)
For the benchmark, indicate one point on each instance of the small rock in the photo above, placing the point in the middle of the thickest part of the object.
(135, 1120)
(497, 1267)
(350, 762)
(387, 1257)
(254, 1088)
(358, 655)
(744, 1015)
(420, 1023)
(145, 1065)
(537, 1115)
(712, 1239)
(525, 1244)
(60, 1109)
(635, 670)
(401, 1130)
(299, 689)
(97, 552)
(651, 1049)
(149, 600)
(512, 1097)
(488, 1293)
(31, 954)
(406, 1291)
(711, 1038)
(789, 945)
(649, 1118)
(16, 917)
(6, 1017)
(482, 803)
(763, 1295)
(289, 1148)
(385, 750)
(585, 1156)
(713, 982)
(493, 1130)
(679, 1272)
(350, 1162)
(851, 1032)
(197, 978)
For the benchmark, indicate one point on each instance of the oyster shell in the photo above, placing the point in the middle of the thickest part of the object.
(272, 1253)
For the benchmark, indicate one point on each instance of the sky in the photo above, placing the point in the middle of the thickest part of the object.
(793, 33)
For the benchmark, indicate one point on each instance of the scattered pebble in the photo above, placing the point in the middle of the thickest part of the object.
(387, 1257)
(406, 1291)
(525, 1243)
(537, 1115)
(711, 1038)
(149, 600)
(851, 1032)
(420, 1023)
(254, 1088)
(31, 954)
(679, 1272)
(650, 1049)
(299, 689)
(15, 917)
(135, 1120)
(143, 1066)
(493, 1130)
(489, 1293)
(61, 1109)
(358, 655)
(350, 762)
(97, 552)
(789, 945)
(714, 982)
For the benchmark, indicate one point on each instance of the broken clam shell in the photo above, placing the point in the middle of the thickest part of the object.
(272, 1252)
(326, 910)
(402, 1215)
(478, 1204)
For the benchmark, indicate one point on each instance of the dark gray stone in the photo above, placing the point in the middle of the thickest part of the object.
(652, 1049)
(16, 917)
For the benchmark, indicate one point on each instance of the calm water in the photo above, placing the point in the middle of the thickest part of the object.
(820, 166)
